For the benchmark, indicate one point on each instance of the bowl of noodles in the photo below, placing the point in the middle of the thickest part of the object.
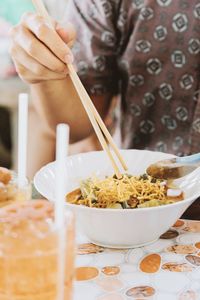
(120, 213)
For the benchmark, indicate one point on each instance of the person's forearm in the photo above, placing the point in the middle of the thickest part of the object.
(41, 145)
(57, 102)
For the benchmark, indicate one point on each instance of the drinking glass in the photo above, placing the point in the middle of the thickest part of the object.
(10, 192)
(29, 252)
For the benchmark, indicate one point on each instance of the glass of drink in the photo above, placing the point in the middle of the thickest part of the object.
(29, 252)
(9, 190)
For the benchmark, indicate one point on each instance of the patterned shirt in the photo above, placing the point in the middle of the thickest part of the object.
(148, 51)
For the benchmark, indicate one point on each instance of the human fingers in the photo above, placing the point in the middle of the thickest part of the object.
(48, 36)
(67, 33)
(29, 69)
(33, 47)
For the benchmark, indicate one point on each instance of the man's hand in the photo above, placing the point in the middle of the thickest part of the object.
(39, 52)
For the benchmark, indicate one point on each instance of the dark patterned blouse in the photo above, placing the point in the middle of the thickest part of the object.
(148, 51)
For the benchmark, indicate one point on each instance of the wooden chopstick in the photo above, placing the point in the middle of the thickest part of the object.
(40, 8)
(98, 118)
(80, 90)
(95, 119)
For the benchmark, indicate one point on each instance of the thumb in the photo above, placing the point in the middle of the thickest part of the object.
(67, 33)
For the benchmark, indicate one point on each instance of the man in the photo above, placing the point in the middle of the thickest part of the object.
(148, 51)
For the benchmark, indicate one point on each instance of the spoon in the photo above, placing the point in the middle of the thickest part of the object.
(175, 167)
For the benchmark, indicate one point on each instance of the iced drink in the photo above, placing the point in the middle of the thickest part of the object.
(9, 190)
(29, 252)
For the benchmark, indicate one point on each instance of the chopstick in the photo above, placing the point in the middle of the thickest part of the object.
(81, 92)
(97, 117)
(94, 117)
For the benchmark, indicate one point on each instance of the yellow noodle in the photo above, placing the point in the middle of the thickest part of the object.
(109, 192)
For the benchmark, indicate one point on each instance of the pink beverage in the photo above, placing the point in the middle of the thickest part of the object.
(9, 190)
(29, 252)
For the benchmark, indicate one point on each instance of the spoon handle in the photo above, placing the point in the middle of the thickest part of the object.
(195, 158)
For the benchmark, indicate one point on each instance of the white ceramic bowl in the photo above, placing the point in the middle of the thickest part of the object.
(119, 228)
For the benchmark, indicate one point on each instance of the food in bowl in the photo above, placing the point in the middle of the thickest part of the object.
(9, 190)
(128, 192)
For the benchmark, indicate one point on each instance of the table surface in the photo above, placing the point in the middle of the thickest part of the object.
(168, 269)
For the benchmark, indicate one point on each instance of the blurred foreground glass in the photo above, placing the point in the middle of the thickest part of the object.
(29, 252)
(10, 192)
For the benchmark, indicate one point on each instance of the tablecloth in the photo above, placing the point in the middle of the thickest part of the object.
(168, 269)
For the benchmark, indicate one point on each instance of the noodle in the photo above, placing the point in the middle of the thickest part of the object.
(127, 192)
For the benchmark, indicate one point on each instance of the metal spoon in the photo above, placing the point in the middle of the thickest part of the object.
(175, 167)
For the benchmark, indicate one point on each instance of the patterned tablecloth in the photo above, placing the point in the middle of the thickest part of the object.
(168, 269)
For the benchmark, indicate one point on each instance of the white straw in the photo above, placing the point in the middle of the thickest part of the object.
(22, 138)
(62, 142)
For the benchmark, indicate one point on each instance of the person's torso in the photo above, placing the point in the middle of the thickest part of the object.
(160, 75)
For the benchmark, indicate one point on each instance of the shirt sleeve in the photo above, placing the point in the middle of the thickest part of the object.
(95, 50)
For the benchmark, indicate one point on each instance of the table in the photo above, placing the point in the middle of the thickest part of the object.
(168, 269)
